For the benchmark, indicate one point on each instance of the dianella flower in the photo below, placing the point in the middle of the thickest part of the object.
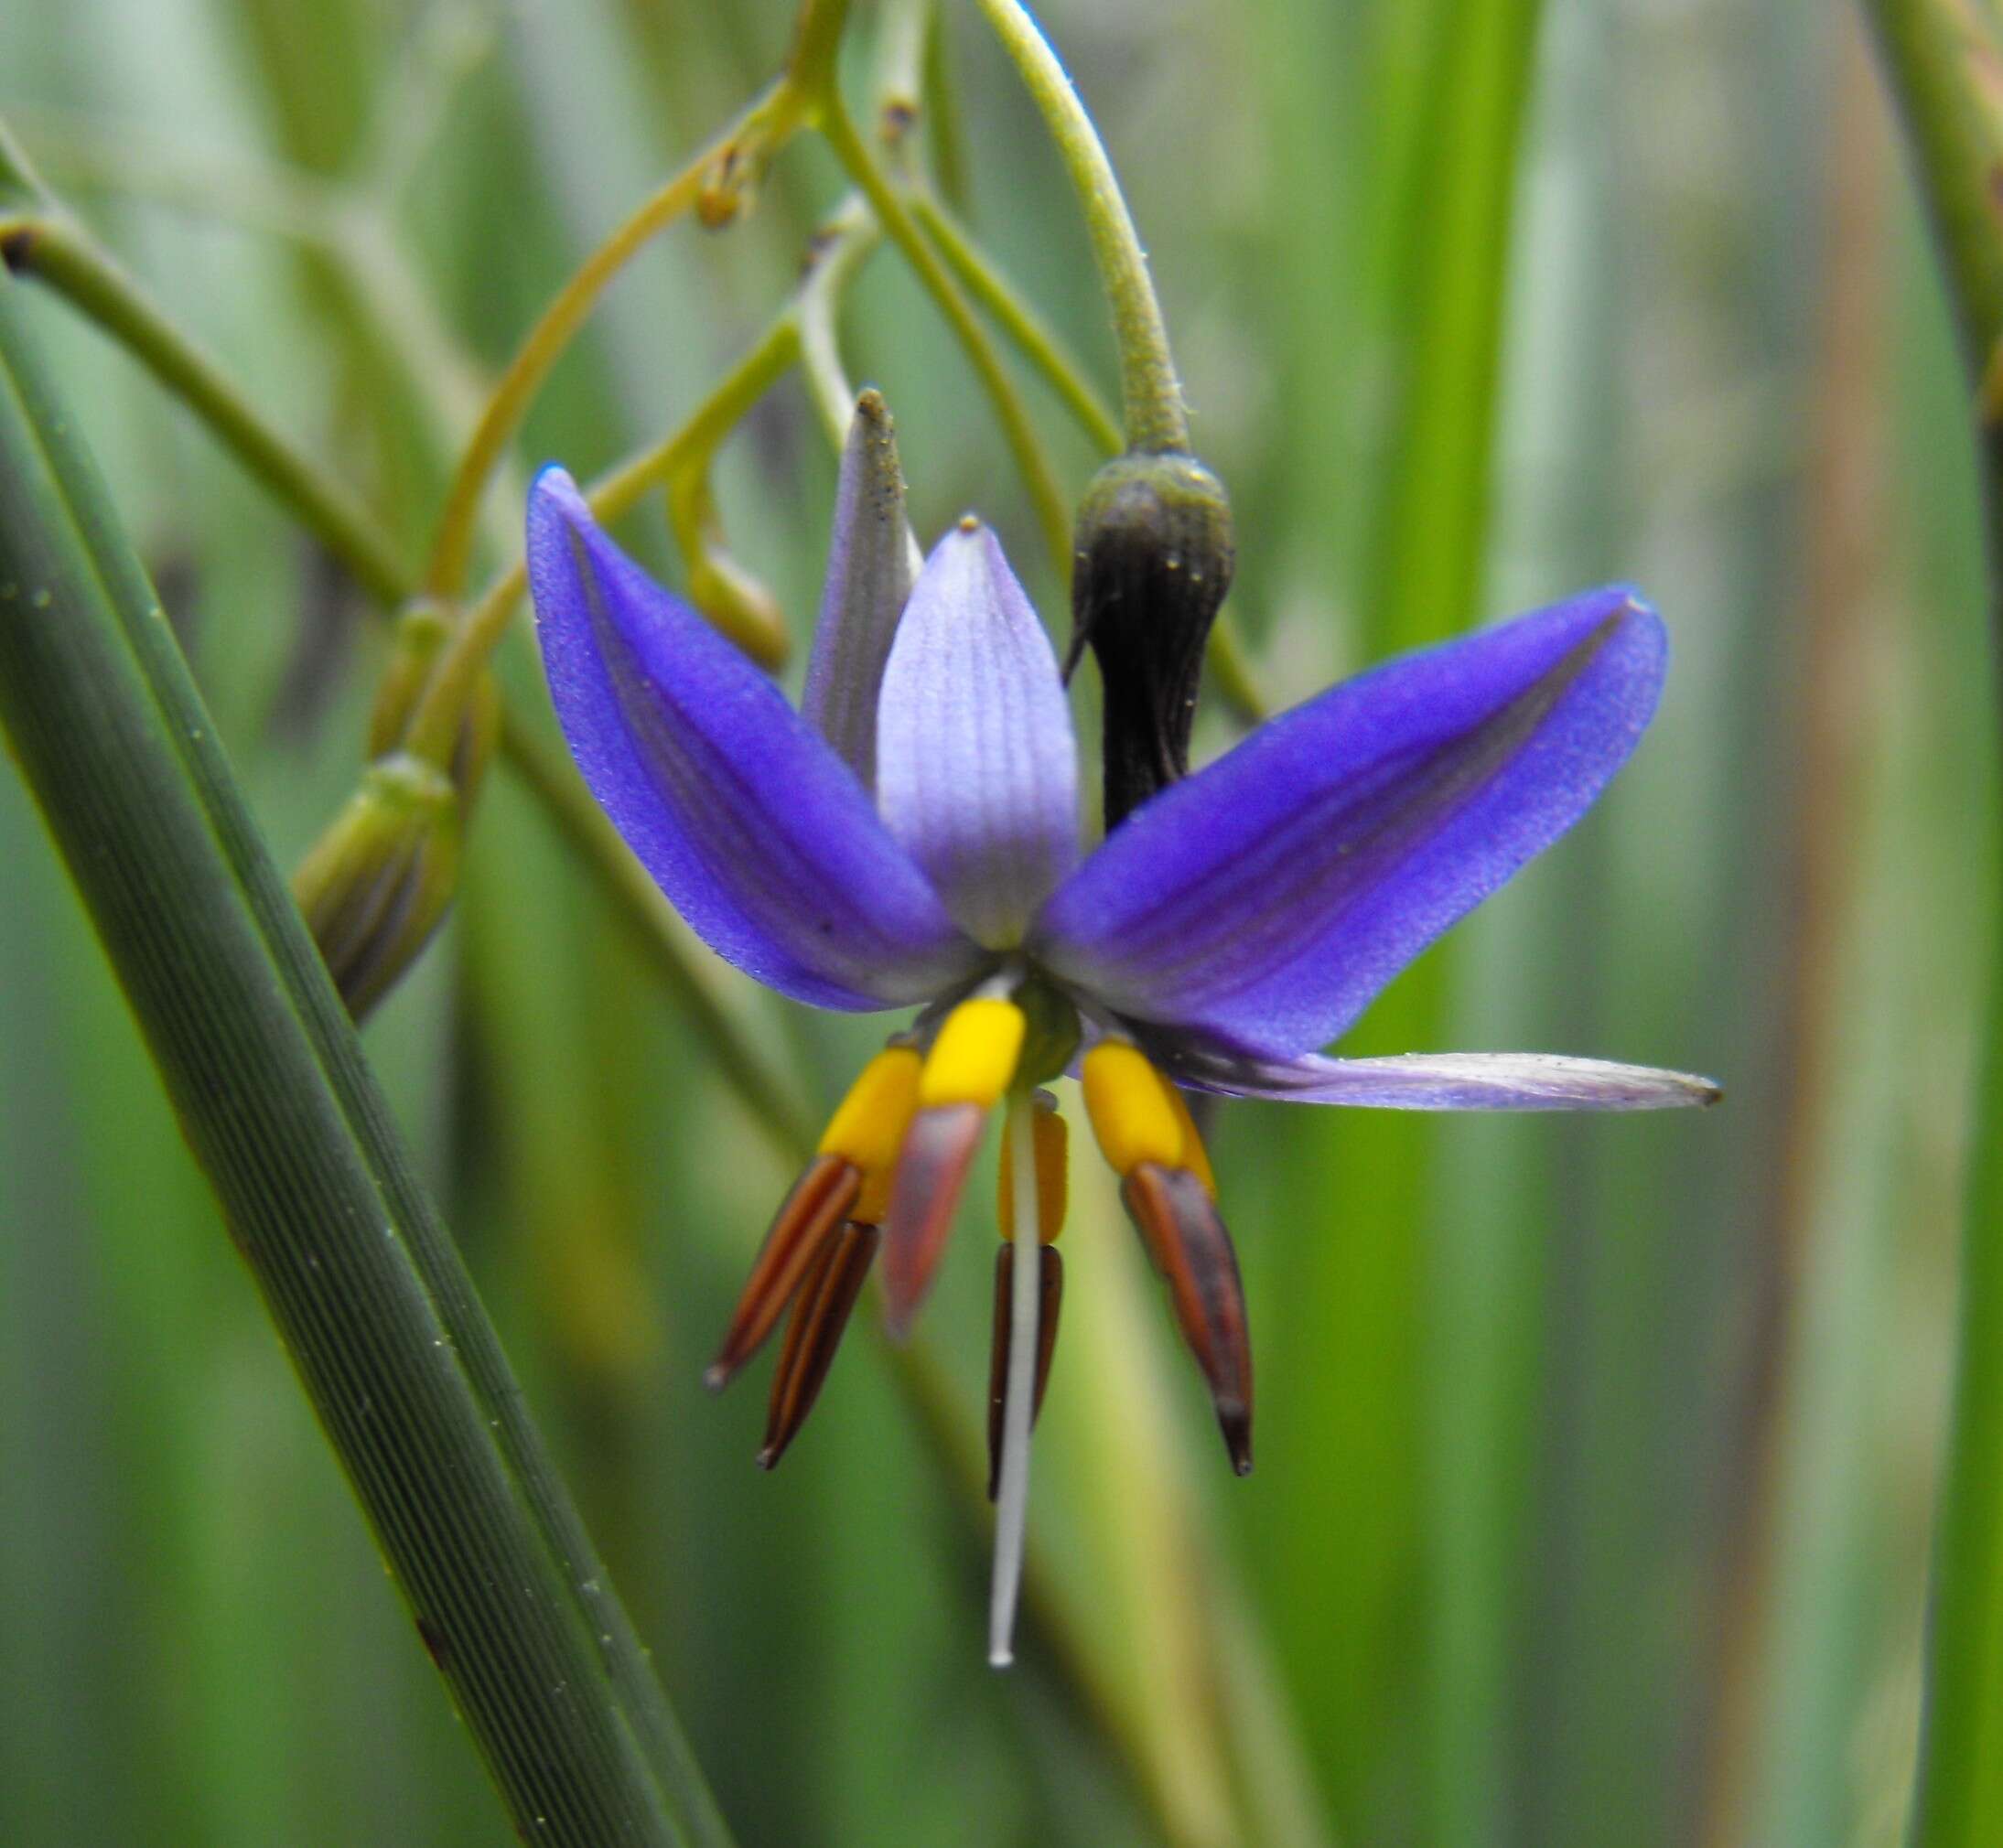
(910, 839)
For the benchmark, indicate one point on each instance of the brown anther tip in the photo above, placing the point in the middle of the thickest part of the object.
(820, 1315)
(809, 1214)
(16, 246)
(1235, 1422)
(970, 522)
(1179, 1224)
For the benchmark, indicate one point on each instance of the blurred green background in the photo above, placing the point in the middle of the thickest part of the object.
(1595, 1457)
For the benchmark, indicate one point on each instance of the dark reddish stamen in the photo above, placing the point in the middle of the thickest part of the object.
(930, 1172)
(1051, 1297)
(1177, 1220)
(819, 1316)
(817, 1204)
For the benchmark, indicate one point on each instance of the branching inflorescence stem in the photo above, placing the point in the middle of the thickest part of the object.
(771, 116)
(1150, 390)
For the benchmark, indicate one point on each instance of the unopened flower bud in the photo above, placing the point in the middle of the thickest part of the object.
(374, 886)
(1154, 554)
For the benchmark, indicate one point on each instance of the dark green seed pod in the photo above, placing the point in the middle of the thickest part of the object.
(1153, 558)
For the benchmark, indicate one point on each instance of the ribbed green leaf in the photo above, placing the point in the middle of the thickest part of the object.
(361, 1279)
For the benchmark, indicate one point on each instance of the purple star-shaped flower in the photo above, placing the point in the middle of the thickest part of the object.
(911, 840)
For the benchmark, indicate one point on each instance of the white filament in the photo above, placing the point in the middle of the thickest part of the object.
(1012, 1494)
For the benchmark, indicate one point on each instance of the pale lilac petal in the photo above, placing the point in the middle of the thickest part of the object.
(757, 831)
(977, 773)
(871, 563)
(1442, 1080)
(1267, 898)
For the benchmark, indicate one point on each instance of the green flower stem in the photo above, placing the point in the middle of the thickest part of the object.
(902, 33)
(1938, 61)
(448, 46)
(947, 139)
(733, 158)
(55, 251)
(1027, 331)
(854, 234)
(1152, 393)
(20, 186)
(1239, 686)
(774, 115)
(816, 41)
(1052, 511)
(263, 195)
(681, 459)
(1023, 326)
(681, 464)
(364, 1281)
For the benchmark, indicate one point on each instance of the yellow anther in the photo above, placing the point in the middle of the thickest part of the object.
(1135, 1112)
(874, 1202)
(1051, 1149)
(1195, 1157)
(974, 1056)
(869, 1128)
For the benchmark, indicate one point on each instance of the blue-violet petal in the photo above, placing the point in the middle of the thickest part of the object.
(871, 562)
(757, 831)
(1444, 1081)
(1267, 898)
(977, 773)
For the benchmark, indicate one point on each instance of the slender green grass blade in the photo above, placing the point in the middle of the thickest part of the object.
(1938, 61)
(274, 1097)
(1345, 1378)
